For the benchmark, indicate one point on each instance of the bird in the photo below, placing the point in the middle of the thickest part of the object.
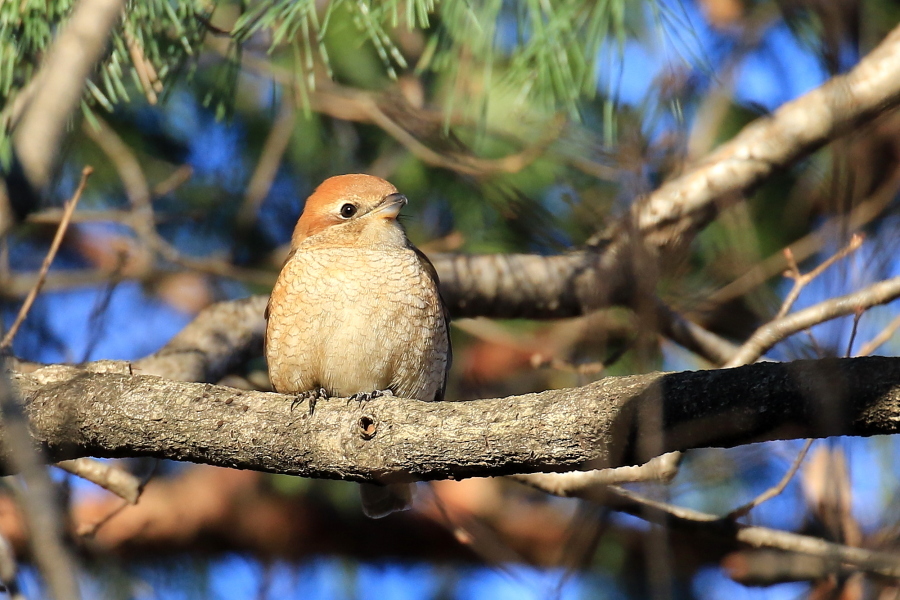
(356, 311)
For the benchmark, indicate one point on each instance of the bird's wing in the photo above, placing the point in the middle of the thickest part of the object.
(269, 304)
(432, 272)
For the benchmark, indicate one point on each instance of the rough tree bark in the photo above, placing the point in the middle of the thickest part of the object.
(612, 422)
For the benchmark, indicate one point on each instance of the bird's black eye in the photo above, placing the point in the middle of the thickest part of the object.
(348, 210)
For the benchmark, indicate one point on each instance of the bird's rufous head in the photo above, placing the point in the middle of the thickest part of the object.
(351, 208)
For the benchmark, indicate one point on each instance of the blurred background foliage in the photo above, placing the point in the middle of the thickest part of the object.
(512, 127)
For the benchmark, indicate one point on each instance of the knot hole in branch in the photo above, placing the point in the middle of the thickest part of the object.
(367, 427)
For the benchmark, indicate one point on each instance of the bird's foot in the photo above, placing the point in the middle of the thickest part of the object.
(365, 397)
(312, 396)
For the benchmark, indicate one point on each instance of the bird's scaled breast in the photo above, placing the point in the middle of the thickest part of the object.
(354, 320)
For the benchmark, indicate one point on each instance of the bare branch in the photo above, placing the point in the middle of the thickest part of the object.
(862, 214)
(121, 483)
(691, 336)
(8, 570)
(270, 159)
(883, 336)
(687, 203)
(76, 413)
(768, 567)
(7, 215)
(672, 515)
(218, 339)
(60, 85)
(38, 500)
(774, 331)
(7, 340)
(775, 489)
(529, 285)
(574, 483)
(801, 280)
(882, 563)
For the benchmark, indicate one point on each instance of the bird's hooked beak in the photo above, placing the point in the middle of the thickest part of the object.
(390, 207)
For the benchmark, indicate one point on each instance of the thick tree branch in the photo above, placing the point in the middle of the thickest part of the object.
(77, 413)
(37, 497)
(529, 285)
(221, 337)
(568, 285)
(60, 85)
(688, 203)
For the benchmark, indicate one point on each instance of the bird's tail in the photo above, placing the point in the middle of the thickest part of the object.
(381, 500)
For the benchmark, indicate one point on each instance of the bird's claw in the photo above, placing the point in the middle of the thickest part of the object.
(362, 398)
(312, 396)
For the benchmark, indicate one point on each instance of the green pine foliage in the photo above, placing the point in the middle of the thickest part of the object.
(549, 61)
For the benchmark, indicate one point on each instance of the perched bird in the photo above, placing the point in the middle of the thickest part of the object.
(356, 310)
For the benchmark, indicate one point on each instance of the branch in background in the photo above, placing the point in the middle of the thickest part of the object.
(669, 216)
(529, 285)
(883, 336)
(768, 567)
(7, 215)
(801, 280)
(142, 219)
(717, 350)
(269, 160)
(38, 498)
(7, 340)
(111, 478)
(773, 332)
(76, 413)
(59, 84)
(862, 214)
(218, 339)
(397, 118)
(574, 483)
(776, 489)
(697, 522)
(873, 561)
(9, 569)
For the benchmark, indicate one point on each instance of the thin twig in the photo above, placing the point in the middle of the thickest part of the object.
(269, 160)
(572, 484)
(862, 214)
(882, 563)
(856, 317)
(801, 280)
(175, 180)
(776, 489)
(45, 266)
(91, 529)
(53, 216)
(108, 476)
(665, 513)
(773, 332)
(881, 338)
(140, 66)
